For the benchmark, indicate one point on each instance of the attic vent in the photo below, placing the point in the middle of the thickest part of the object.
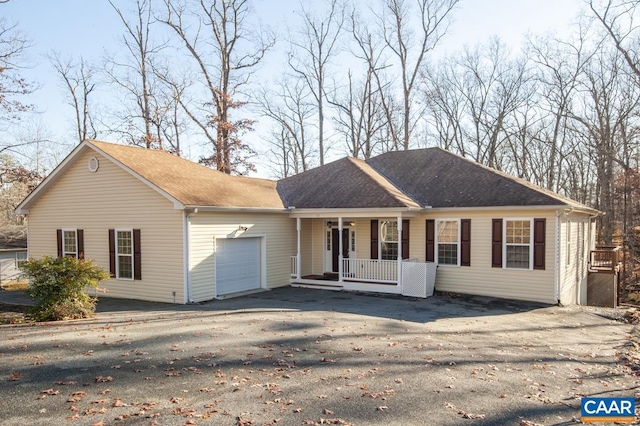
(93, 164)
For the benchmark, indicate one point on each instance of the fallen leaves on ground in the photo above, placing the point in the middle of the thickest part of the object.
(463, 413)
(15, 376)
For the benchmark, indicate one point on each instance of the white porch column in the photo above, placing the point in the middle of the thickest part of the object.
(298, 260)
(399, 219)
(340, 266)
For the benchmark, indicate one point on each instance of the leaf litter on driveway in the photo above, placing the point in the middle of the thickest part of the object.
(273, 358)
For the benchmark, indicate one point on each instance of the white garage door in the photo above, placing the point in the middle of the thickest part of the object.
(237, 265)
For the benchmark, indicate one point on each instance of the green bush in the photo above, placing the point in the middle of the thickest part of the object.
(58, 285)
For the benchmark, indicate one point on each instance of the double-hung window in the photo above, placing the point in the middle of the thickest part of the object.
(69, 243)
(518, 243)
(124, 254)
(21, 256)
(388, 240)
(448, 242)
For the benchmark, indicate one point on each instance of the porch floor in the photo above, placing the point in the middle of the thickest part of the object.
(334, 278)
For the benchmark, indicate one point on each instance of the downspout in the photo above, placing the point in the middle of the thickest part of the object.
(399, 259)
(340, 258)
(298, 250)
(187, 257)
(565, 213)
(556, 295)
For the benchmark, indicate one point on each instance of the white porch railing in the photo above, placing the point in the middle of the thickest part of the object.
(294, 266)
(382, 271)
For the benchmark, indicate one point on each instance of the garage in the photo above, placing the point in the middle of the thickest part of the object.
(238, 265)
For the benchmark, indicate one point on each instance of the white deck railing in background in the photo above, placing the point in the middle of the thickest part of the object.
(294, 266)
(382, 271)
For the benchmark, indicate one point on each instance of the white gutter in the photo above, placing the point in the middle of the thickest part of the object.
(510, 208)
(353, 213)
(556, 286)
(238, 209)
(13, 249)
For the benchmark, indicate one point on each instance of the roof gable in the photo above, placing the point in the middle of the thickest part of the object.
(346, 183)
(183, 182)
(193, 184)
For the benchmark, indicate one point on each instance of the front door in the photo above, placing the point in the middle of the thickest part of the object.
(335, 246)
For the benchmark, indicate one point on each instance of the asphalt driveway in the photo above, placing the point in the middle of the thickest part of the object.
(295, 356)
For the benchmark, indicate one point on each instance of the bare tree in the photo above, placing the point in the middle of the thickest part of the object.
(447, 105)
(410, 51)
(617, 19)
(79, 80)
(225, 51)
(382, 108)
(168, 118)
(475, 99)
(143, 121)
(312, 48)
(602, 120)
(559, 65)
(359, 116)
(13, 45)
(291, 109)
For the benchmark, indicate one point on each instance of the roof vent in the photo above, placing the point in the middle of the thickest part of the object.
(93, 164)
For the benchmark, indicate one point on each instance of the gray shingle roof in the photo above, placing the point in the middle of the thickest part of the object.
(437, 178)
(346, 183)
(430, 177)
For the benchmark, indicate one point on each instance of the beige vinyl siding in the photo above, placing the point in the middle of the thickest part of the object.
(417, 239)
(113, 198)
(307, 247)
(278, 229)
(9, 264)
(573, 274)
(480, 278)
(363, 238)
(319, 241)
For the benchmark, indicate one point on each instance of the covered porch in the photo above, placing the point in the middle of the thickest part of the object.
(359, 252)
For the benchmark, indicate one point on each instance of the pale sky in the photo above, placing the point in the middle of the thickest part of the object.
(91, 27)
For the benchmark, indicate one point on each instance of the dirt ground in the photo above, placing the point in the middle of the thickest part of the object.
(295, 356)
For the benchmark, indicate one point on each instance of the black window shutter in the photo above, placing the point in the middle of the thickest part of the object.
(80, 237)
(59, 240)
(405, 239)
(112, 252)
(431, 240)
(496, 243)
(465, 242)
(374, 239)
(137, 262)
(539, 230)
